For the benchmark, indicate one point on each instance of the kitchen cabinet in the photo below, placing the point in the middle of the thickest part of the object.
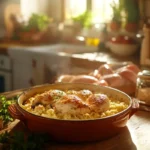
(42, 64)
(5, 73)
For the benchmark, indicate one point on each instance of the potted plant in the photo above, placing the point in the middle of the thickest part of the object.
(132, 15)
(116, 21)
(83, 20)
(35, 28)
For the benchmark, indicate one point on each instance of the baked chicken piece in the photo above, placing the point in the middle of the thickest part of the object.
(98, 102)
(48, 97)
(71, 104)
(75, 105)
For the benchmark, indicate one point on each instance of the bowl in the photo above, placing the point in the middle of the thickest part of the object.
(123, 49)
(74, 130)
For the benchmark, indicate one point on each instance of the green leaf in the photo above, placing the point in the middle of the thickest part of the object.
(4, 114)
(85, 19)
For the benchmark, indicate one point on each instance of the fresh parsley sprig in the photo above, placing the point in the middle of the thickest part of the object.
(18, 140)
(4, 113)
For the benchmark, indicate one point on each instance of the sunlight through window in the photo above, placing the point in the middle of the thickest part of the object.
(101, 10)
(74, 8)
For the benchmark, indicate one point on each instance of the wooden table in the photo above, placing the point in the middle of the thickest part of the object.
(135, 136)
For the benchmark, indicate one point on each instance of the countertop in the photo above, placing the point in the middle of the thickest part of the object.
(135, 136)
(46, 62)
(70, 50)
(78, 55)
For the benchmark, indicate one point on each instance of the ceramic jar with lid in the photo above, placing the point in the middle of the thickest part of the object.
(143, 86)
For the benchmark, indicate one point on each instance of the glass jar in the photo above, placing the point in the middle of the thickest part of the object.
(143, 86)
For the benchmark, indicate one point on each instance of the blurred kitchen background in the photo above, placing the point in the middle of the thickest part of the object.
(42, 39)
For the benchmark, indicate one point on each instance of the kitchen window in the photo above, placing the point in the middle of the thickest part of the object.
(74, 8)
(66, 9)
(101, 10)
